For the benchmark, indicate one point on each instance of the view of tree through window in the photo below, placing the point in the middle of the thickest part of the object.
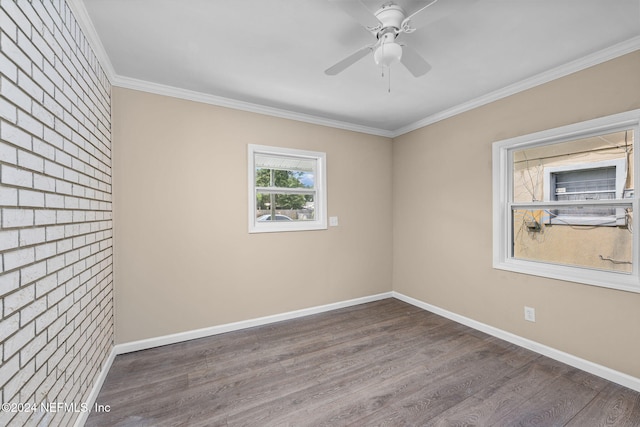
(285, 188)
(283, 179)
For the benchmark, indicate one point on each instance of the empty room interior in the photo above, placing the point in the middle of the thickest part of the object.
(326, 212)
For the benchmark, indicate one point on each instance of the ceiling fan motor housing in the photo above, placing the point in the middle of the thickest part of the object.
(391, 17)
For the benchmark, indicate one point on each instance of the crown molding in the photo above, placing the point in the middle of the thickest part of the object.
(591, 60)
(190, 95)
(82, 16)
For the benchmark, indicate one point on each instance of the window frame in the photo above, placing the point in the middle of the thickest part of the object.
(320, 190)
(503, 204)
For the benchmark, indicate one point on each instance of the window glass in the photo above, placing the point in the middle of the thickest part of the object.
(564, 202)
(583, 170)
(602, 248)
(586, 169)
(284, 207)
(287, 191)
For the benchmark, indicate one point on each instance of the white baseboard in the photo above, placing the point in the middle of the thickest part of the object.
(95, 390)
(571, 360)
(229, 327)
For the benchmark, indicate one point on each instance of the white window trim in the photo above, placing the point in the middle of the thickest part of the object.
(621, 176)
(503, 203)
(320, 199)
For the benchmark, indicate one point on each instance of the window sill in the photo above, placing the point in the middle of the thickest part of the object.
(607, 279)
(275, 227)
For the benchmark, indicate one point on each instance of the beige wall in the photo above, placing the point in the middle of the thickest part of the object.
(183, 257)
(443, 221)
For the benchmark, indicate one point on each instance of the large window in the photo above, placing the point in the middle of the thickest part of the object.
(287, 189)
(564, 203)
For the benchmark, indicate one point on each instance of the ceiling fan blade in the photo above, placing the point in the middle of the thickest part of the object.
(358, 11)
(414, 62)
(432, 12)
(348, 61)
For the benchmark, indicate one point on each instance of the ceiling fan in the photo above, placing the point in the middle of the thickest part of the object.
(387, 23)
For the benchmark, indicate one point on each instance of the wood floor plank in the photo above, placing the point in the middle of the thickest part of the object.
(455, 382)
(493, 403)
(558, 403)
(381, 363)
(613, 406)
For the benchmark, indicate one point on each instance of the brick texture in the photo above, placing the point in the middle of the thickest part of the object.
(56, 280)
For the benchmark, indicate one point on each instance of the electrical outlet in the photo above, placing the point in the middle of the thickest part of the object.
(530, 314)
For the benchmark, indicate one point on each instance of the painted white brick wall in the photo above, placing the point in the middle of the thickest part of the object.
(56, 290)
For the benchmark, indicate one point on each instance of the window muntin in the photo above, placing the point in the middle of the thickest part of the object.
(549, 221)
(287, 189)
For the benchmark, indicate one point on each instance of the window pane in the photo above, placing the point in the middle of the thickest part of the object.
(284, 162)
(603, 248)
(580, 169)
(285, 207)
(284, 178)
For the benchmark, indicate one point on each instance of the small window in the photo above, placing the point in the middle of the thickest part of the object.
(564, 203)
(287, 189)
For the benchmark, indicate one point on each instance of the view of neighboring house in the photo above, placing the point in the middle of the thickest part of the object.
(594, 168)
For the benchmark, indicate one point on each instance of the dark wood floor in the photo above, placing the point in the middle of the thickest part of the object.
(382, 363)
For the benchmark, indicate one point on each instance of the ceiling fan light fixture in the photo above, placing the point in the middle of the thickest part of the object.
(387, 54)
(387, 23)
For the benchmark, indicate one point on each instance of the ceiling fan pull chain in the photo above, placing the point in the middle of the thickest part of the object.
(382, 47)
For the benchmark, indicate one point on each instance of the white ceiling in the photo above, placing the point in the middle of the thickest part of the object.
(270, 55)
